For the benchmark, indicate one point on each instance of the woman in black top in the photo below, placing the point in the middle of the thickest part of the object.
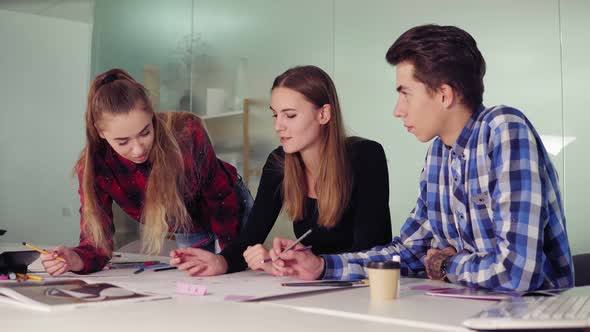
(335, 185)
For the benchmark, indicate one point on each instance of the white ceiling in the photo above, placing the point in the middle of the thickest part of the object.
(74, 10)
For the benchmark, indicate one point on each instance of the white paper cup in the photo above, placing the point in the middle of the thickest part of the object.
(384, 280)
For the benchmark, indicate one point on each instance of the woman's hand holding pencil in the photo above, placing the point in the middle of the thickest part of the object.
(298, 263)
(42, 251)
(268, 260)
(60, 260)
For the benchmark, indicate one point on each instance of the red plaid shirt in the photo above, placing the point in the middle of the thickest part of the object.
(210, 201)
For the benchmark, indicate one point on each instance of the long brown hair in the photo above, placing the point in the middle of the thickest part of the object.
(334, 183)
(116, 92)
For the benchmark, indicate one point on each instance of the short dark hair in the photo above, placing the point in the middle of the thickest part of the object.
(442, 55)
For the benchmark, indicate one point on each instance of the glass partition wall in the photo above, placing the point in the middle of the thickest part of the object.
(218, 59)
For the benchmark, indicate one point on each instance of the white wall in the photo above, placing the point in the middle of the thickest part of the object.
(44, 75)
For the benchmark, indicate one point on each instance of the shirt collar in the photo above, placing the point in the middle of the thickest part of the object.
(463, 138)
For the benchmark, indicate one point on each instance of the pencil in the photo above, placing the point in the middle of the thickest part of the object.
(268, 260)
(294, 243)
(28, 276)
(297, 241)
(42, 251)
(36, 278)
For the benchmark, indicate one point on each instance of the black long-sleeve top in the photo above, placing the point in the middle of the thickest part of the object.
(364, 224)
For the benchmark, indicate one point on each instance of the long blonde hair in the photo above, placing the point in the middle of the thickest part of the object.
(116, 92)
(334, 183)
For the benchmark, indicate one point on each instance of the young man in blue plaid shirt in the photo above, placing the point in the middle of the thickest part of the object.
(489, 212)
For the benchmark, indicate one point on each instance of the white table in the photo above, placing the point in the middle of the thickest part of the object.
(413, 309)
(183, 314)
(341, 310)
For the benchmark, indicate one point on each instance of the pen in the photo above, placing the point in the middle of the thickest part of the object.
(138, 271)
(268, 260)
(155, 266)
(331, 283)
(133, 264)
(42, 251)
(165, 268)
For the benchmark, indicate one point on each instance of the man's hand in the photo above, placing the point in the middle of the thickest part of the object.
(434, 259)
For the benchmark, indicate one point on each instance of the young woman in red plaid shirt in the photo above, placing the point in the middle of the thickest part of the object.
(160, 168)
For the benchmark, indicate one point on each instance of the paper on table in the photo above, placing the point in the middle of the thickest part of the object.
(242, 286)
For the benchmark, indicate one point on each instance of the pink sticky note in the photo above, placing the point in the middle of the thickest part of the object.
(190, 289)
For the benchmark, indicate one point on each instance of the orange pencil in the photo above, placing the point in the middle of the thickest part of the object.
(28, 245)
(28, 276)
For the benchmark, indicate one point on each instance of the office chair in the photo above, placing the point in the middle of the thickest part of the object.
(582, 269)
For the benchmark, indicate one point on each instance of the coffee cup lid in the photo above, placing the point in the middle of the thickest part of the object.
(383, 265)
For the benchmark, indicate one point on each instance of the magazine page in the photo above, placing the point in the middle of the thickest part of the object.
(68, 294)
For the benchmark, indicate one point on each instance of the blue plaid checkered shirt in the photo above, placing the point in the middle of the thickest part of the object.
(495, 195)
